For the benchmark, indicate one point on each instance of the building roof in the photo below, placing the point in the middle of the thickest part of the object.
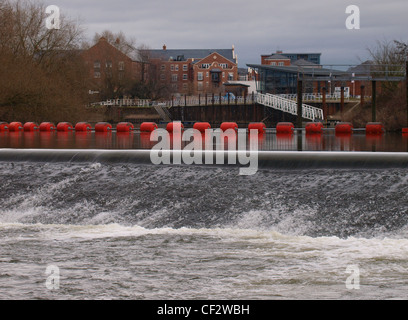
(185, 54)
(277, 57)
(363, 68)
(304, 63)
(236, 84)
(309, 71)
(329, 74)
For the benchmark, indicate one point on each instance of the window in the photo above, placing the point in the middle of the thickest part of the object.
(185, 86)
(205, 66)
(108, 64)
(215, 77)
(174, 77)
(230, 76)
(162, 77)
(207, 74)
(223, 74)
(200, 76)
(97, 74)
(280, 63)
(185, 67)
(172, 67)
(163, 67)
(176, 67)
(273, 63)
(224, 65)
(185, 77)
(200, 86)
(97, 64)
(121, 65)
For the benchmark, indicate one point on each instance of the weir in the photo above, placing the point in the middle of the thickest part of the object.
(267, 159)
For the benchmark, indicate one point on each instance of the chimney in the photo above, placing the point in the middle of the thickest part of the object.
(164, 47)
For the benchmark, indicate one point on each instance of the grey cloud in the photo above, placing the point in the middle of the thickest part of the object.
(255, 27)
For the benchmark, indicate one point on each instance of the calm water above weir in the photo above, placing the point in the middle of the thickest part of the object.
(270, 141)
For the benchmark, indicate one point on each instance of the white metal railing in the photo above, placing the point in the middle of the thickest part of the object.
(314, 96)
(285, 103)
(123, 103)
(176, 102)
(289, 106)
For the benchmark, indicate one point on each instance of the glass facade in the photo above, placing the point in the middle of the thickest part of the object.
(276, 82)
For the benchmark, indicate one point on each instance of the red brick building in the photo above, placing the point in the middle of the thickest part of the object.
(193, 71)
(275, 60)
(110, 70)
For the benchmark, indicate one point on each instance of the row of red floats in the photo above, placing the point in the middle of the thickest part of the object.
(64, 127)
(201, 126)
(281, 128)
(341, 128)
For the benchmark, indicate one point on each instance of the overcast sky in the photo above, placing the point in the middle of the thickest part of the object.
(254, 27)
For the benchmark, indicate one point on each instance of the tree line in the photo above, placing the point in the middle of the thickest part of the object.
(42, 74)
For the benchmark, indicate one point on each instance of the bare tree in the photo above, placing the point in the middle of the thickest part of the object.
(389, 60)
(119, 40)
(42, 75)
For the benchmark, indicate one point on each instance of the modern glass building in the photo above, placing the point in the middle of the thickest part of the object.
(283, 79)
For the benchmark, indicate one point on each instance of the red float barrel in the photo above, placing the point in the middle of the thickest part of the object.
(374, 128)
(285, 127)
(404, 131)
(47, 126)
(260, 126)
(124, 127)
(30, 126)
(4, 126)
(172, 125)
(314, 127)
(148, 127)
(103, 127)
(64, 126)
(201, 126)
(83, 126)
(228, 125)
(344, 128)
(16, 126)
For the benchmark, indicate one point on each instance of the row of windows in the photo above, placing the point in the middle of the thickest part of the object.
(175, 86)
(208, 65)
(97, 75)
(109, 64)
(174, 67)
(279, 63)
(200, 76)
(174, 77)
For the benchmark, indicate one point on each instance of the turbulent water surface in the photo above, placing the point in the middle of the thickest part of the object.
(139, 231)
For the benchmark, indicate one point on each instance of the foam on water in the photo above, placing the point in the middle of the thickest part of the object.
(325, 202)
(147, 232)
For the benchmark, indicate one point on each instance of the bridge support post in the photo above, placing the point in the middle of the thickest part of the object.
(342, 102)
(362, 94)
(299, 103)
(406, 83)
(324, 91)
(374, 101)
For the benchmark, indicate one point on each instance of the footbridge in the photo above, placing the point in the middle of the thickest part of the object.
(283, 104)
